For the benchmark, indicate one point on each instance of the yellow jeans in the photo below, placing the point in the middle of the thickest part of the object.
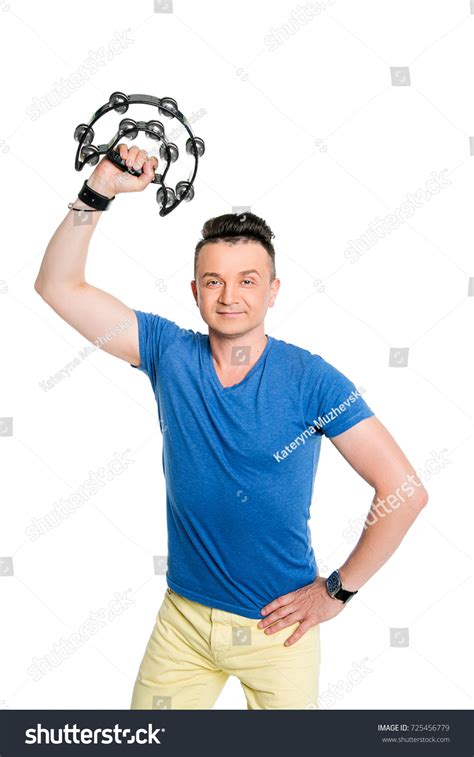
(193, 649)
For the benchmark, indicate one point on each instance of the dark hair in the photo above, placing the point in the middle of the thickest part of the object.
(237, 227)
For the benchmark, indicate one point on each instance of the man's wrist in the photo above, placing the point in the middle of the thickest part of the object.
(347, 580)
(81, 205)
(99, 186)
(96, 194)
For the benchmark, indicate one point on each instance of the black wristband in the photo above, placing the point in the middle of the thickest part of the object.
(94, 199)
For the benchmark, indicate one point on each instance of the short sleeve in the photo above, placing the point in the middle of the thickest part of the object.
(335, 403)
(155, 335)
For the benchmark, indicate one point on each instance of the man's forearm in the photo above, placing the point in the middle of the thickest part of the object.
(64, 261)
(385, 528)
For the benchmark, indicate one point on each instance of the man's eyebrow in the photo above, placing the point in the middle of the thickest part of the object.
(241, 273)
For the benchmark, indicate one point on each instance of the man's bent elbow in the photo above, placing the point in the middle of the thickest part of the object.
(422, 498)
(425, 498)
(38, 288)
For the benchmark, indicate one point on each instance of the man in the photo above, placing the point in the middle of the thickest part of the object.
(242, 416)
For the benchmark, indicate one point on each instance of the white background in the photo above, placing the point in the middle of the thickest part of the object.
(314, 137)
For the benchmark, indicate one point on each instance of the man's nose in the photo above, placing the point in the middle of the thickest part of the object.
(227, 295)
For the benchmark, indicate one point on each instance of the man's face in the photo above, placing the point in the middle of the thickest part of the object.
(234, 278)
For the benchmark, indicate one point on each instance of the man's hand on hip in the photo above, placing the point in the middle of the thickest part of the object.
(310, 605)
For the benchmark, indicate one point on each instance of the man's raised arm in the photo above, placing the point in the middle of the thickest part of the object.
(61, 279)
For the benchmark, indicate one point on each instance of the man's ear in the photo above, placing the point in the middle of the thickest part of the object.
(194, 291)
(275, 287)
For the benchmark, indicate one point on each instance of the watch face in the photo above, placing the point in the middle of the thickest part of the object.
(333, 583)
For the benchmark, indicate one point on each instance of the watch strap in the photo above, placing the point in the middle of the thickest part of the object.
(344, 594)
(94, 199)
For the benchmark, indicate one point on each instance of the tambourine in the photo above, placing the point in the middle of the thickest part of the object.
(167, 198)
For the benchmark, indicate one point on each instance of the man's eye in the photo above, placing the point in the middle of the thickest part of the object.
(213, 281)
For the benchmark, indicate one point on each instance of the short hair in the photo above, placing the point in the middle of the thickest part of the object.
(238, 227)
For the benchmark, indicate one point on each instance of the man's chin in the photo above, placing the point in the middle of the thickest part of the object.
(237, 325)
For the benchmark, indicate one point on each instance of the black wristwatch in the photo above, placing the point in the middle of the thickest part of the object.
(94, 199)
(335, 588)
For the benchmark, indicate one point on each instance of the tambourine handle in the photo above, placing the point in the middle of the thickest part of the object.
(114, 157)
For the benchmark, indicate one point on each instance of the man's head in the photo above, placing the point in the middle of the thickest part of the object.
(234, 272)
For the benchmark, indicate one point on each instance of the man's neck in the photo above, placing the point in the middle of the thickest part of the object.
(237, 354)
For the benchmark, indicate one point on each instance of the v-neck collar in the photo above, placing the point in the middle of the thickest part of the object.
(213, 373)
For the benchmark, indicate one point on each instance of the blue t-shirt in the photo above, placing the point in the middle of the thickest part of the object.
(240, 463)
